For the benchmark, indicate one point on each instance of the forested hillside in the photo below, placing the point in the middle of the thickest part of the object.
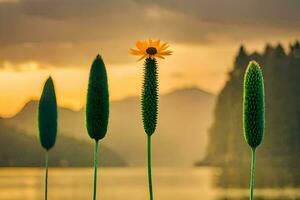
(21, 150)
(279, 155)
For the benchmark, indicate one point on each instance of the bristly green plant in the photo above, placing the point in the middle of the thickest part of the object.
(253, 112)
(150, 108)
(97, 108)
(47, 123)
(150, 50)
(150, 96)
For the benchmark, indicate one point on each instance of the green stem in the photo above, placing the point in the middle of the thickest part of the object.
(253, 155)
(46, 175)
(95, 168)
(149, 166)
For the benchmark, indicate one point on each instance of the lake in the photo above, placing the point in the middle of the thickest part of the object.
(127, 184)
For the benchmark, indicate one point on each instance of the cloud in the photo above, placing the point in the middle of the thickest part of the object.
(237, 11)
(71, 32)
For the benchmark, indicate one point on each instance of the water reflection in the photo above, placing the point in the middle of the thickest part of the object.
(265, 177)
(127, 183)
(261, 198)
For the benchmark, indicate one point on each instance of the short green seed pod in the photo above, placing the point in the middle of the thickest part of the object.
(47, 115)
(97, 105)
(150, 96)
(253, 105)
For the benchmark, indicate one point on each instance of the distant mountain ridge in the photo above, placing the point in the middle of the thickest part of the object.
(184, 117)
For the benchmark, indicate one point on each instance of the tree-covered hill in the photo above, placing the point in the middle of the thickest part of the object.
(21, 150)
(279, 155)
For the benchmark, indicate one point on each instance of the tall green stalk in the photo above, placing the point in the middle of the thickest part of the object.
(46, 175)
(149, 166)
(253, 113)
(150, 109)
(47, 123)
(95, 169)
(97, 109)
(253, 155)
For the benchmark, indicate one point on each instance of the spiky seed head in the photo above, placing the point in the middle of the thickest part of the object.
(253, 105)
(150, 96)
(97, 104)
(47, 115)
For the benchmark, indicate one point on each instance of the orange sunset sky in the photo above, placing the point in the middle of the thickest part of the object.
(60, 38)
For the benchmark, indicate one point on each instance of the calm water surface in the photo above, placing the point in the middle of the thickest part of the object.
(126, 184)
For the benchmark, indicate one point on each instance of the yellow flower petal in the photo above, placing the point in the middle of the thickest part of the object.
(159, 56)
(163, 47)
(166, 53)
(136, 52)
(156, 44)
(141, 45)
(141, 58)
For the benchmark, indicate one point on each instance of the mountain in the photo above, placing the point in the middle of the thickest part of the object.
(278, 160)
(20, 150)
(184, 117)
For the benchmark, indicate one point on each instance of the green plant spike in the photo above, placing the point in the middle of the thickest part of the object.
(47, 123)
(150, 96)
(150, 108)
(253, 112)
(97, 108)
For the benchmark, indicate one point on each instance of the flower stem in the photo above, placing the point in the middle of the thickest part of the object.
(46, 175)
(149, 166)
(95, 168)
(253, 155)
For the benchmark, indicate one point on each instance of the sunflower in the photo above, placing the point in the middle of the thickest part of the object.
(151, 49)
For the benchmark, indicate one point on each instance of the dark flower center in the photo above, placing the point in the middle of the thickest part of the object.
(151, 51)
